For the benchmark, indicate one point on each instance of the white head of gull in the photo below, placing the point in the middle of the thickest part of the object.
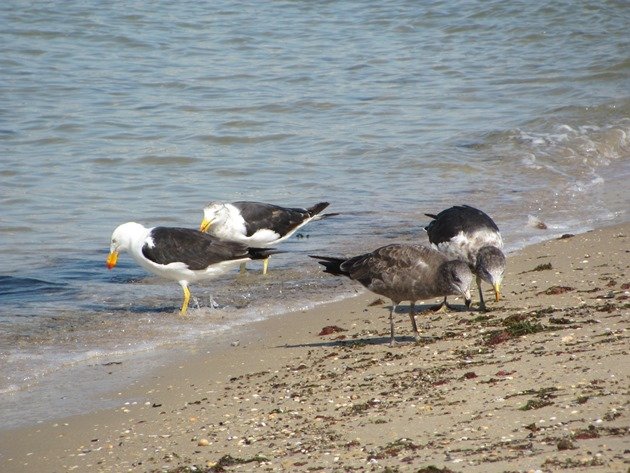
(404, 272)
(179, 254)
(468, 234)
(257, 223)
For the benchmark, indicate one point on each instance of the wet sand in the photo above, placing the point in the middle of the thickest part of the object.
(540, 382)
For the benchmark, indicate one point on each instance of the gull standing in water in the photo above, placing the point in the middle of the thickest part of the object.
(180, 254)
(257, 223)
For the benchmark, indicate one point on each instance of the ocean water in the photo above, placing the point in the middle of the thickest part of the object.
(112, 112)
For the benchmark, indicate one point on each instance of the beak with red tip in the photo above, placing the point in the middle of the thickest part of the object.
(205, 225)
(112, 259)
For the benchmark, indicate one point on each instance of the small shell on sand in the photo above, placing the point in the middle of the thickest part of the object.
(203, 442)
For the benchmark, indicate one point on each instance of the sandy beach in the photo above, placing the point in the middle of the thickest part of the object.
(540, 382)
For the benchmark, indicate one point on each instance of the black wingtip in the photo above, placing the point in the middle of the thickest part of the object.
(262, 253)
(331, 264)
(317, 208)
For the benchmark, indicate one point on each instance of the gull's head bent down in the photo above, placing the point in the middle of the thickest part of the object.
(459, 278)
(122, 239)
(490, 267)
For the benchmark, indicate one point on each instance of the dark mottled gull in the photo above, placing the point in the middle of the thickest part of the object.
(468, 234)
(404, 273)
(180, 254)
(257, 223)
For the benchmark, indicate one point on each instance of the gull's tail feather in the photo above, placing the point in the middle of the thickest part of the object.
(262, 253)
(331, 264)
(317, 208)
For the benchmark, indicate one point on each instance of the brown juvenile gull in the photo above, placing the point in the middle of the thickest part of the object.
(468, 234)
(257, 223)
(404, 273)
(180, 254)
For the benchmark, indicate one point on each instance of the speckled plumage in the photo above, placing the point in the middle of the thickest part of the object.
(468, 234)
(404, 272)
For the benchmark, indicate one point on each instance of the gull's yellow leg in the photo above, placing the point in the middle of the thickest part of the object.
(242, 268)
(186, 299)
(265, 265)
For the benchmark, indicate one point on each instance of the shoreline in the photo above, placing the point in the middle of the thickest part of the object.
(285, 398)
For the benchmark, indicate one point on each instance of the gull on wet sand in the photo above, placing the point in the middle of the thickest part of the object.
(179, 254)
(257, 223)
(404, 272)
(468, 234)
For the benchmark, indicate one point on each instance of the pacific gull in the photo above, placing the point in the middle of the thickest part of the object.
(404, 272)
(256, 223)
(468, 234)
(180, 254)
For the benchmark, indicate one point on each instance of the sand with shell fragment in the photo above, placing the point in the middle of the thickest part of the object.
(538, 383)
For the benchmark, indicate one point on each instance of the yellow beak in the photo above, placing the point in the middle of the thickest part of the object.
(112, 259)
(497, 292)
(205, 225)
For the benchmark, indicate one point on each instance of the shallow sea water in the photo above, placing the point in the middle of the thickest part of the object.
(112, 112)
